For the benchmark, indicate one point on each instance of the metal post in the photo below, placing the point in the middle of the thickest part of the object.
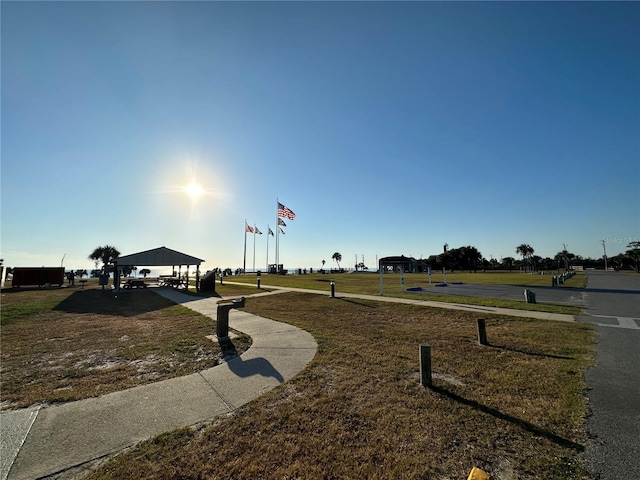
(482, 332)
(333, 289)
(425, 365)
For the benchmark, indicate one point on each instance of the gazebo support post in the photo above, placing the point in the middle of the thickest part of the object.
(116, 277)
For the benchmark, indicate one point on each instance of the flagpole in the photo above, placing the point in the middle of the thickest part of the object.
(267, 265)
(277, 237)
(244, 262)
(254, 247)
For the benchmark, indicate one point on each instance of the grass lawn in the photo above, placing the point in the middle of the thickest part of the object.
(369, 283)
(65, 344)
(515, 408)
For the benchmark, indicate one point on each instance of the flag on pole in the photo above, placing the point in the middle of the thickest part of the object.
(248, 228)
(281, 230)
(270, 232)
(281, 222)
(285, 212)
(257, 231)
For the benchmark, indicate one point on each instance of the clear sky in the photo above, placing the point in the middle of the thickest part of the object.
(389, 128)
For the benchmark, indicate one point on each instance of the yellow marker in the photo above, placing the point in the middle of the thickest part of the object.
(477, 474)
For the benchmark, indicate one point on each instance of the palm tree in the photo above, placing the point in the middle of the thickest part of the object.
(337, 257)
(107, 254)
(144, 272)
(525, 250)
(471, 256)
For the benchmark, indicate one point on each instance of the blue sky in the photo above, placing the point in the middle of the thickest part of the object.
(388, 127)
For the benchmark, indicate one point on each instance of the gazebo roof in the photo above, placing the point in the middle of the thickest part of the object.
(158, 257)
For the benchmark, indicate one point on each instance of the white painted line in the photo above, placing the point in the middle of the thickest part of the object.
(623, 322)
(627, 322)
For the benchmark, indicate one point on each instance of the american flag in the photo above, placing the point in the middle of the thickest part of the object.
(248, 228)
(285, 212)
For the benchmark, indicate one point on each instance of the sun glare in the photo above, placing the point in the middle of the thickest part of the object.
(194, 190)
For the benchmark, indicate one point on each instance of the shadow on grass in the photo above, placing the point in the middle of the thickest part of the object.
(351, 300)
(536, 354)
(557, 439)
(108, 302)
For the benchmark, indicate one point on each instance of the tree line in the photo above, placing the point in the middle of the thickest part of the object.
(470, 258)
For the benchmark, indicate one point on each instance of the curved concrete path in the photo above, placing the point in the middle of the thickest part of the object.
(40, 442)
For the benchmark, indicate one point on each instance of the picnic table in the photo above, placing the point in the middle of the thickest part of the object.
(134, 284)
(170, 281)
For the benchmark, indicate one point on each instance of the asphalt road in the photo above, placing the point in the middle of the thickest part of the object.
(544, 294)
(613, 303)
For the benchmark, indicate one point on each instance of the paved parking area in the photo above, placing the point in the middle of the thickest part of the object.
(568, 295)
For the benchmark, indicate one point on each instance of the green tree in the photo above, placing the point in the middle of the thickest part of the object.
(565, 258)
(526, 251)
(470, 257)
(508, 262)
(80, 273)
(634, 254)
(106, 254)
(337, 257)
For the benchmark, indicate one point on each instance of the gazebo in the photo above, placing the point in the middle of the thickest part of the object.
(404, 264)
(158, 257)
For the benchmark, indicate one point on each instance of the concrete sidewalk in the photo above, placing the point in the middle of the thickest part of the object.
(40, 442)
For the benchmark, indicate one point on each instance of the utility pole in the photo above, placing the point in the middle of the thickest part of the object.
(605, 254)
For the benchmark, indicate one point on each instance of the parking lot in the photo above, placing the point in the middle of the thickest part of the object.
(567, 295)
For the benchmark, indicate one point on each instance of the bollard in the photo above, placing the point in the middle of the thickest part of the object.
(333, 289)
(425, 365)
(529, 296)
(222, 317)
(482, 332)
(554, 281)
(259, 275)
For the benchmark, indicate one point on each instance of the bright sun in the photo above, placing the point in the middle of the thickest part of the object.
(194, 190)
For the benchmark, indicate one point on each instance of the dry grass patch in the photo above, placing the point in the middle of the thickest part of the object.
(66, 344)
(515, 408)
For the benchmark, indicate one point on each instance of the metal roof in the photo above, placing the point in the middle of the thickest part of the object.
(161, 256)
